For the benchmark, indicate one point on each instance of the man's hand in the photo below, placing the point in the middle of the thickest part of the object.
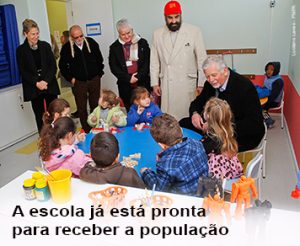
(73, 80)
(42, 85)
(133, 79)
(198, 122)
(156, 90)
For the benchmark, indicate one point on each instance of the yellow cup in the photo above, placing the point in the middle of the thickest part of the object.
(60, 188)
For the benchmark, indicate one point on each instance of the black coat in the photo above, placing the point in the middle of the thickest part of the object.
(242, 97)
(29, 73)
(84, 65)
(118, 66)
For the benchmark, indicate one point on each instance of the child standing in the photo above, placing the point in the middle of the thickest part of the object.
(180, 164)
(274, 83)
(57, 149)
(219, 141)
(143, 110)
(108, 112)
(106, 167)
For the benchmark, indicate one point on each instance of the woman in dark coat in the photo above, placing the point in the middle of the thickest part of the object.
(129, 60)
(38, 71)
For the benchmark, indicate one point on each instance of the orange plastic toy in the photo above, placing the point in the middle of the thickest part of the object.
(240, 193)
(215, 206)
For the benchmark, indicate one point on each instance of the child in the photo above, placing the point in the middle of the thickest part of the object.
(274, 82)
(56, 109)
(57, 149)
(143, 110)
(106, 167)
(181, 162)
(108, 112)
(60, 108)
(219, 142)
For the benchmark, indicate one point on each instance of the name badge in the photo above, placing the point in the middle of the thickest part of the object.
(128, 63)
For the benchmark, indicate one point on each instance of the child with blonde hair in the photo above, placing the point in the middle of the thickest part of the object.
(108, 112)
(143, 110)
(219, 141)
(57, 149)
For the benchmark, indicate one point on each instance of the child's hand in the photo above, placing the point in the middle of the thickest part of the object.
(140, 109)
(94, 119)
(143, 169)
(80, 137)
(115, 118)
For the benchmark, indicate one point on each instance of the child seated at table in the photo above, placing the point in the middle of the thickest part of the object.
(57, 149)
(59, 107)
(143, 110)
(274, 83)
(181, 162)
(219, 141)
(108, 112)
(106, 167)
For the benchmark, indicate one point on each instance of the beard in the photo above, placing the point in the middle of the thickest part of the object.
(173, 27)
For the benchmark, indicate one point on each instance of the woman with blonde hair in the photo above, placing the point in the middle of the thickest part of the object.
(219, 141)
(38, 71)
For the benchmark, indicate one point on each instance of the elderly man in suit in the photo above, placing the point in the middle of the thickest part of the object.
(240, 94)
(177, 54)
(129, 58)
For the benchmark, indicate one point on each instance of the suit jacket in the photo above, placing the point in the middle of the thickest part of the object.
(118, 66)
(177, 68)
(242, 97)
(29, 73)
(84, 65)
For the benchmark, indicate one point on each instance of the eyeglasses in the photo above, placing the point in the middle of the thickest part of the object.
(81, 36)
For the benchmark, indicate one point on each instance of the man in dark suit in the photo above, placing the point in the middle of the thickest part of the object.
(129, 59)
(81, 63)
(240, 94)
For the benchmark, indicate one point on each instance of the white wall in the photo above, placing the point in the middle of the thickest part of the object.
(94, 11)
(225, 24)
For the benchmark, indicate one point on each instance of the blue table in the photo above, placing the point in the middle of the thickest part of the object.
(132, 141)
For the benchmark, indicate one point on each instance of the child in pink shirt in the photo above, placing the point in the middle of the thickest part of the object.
(57, 148)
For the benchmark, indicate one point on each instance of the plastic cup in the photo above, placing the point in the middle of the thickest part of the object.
(60, 188)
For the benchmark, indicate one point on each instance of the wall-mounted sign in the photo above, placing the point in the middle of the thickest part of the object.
(93, 29)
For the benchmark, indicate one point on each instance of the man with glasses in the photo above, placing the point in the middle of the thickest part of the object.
(240, 94)
(81, 63)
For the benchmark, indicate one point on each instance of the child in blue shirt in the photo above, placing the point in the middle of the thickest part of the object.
(181, 162)
(274, 83)
(143, 110)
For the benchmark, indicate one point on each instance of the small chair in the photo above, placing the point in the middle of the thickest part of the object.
(281, 109)
(253, 170)
(261, 148)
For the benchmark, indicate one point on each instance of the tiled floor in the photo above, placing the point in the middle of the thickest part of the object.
(276, 187)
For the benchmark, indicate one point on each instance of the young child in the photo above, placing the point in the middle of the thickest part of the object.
(106, 167)
(108, 112)
(143, 110)
(274, 83)
(219, 141)
(57, 108)
(57, 149)
(60, 108)
(181, 162)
